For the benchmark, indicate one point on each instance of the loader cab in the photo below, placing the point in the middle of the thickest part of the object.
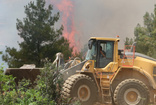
(95, 47)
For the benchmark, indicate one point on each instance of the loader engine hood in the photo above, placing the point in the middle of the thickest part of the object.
(139, 55)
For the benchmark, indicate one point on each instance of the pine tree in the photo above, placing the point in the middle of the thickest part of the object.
(145, 36)
(40, 38)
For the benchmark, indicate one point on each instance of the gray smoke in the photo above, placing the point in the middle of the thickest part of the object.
(109, 18)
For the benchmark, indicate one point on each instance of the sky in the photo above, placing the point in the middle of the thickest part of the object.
(92, 18)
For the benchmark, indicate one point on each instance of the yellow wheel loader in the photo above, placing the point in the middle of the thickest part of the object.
(116, 77)
(108, 76)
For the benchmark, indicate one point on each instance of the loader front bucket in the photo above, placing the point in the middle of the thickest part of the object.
(72, 70)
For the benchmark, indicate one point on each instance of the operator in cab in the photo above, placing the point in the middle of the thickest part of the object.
(102, 53)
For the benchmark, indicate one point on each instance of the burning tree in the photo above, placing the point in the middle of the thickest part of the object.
(40, 38)
(66, 8)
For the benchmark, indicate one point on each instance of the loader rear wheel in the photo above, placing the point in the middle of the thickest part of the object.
(131, 92)
(82, 87)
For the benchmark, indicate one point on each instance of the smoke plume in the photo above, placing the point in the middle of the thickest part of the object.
(83, 19)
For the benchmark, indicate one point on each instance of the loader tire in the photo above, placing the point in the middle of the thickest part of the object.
(81, 87)
(131, 92)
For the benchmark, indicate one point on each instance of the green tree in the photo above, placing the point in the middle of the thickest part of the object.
(40, 38)
(128, 42)
(145, 36)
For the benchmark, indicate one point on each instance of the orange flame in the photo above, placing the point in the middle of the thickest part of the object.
(66, 9)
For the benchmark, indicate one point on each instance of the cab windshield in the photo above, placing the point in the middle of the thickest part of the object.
(91, 53)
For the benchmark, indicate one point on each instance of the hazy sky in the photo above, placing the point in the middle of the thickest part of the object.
(105, 18)
(108, 18)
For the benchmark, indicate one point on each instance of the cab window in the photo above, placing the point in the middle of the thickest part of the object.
(105, 53)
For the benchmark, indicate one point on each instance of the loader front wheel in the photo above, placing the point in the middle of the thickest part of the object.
(82, 87)
(131, 92)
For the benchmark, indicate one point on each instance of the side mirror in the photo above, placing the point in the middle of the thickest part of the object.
(90, 44)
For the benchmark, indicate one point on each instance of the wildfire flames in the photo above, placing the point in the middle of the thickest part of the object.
(66, 8)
